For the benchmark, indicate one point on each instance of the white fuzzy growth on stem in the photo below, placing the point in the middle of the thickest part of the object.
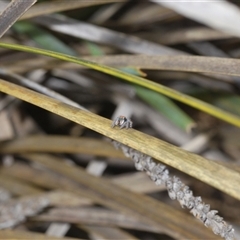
(178, 191)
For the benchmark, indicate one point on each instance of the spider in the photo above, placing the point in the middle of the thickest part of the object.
(122, 122)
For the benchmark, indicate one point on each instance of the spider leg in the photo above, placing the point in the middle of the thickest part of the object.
(124, 125)
(114, 123)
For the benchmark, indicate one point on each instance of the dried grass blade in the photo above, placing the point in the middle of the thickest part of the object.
(98, 34)
(61, 144)
(189, 35)
(12, 13)
(16, 187)
(138, 182)
(37, 87)
(17, 234)
(96, 216)
(105, 233)
(212, 173)
(125, 201)
(198, 64)
(62, 5)
(43, 179)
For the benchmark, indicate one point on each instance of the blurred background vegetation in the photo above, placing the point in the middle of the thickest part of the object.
(60, 176)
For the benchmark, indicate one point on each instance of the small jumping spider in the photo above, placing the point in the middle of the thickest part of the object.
(122, 122)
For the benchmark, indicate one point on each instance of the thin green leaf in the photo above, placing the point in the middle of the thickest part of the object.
(226, 101)
(136, 80)
(43, 38)
(165, 106)
(94, 49)
(133, 71)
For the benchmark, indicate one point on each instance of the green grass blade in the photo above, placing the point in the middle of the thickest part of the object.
(198, 104)
(43, 38)
(94, 49)
(165, 106)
